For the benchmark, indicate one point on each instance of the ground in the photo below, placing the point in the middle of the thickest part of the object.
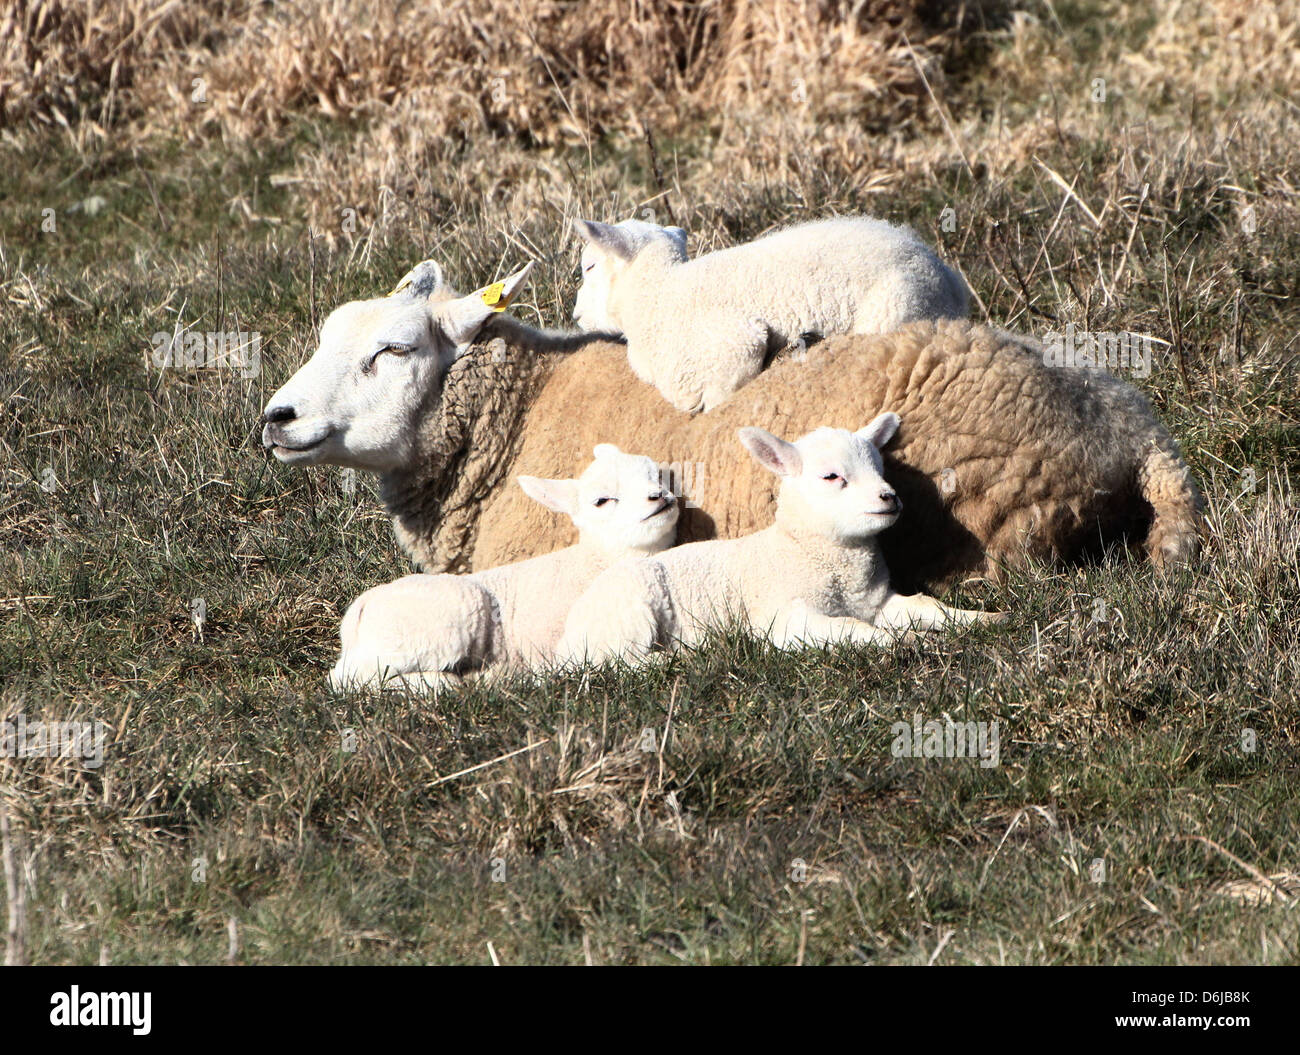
(226, 168)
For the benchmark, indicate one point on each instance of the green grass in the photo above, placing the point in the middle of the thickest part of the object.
(1121, 740)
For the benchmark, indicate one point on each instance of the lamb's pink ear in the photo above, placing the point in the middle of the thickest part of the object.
(559, 496)
(607, 237)
(462, 318)
(773, 454)
(880, 430)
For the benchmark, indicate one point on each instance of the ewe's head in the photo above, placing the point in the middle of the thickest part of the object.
(608, 251)
(619, 503)
(355, 400)
(832, 480)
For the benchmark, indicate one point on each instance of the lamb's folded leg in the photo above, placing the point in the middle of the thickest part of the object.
(420, 628)
(733, 365)
(620, 616)
(919, 612)
(798, 625)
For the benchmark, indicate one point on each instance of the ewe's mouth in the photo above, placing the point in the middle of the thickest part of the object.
(274, 440)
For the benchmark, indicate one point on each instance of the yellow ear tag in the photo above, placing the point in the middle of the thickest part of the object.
(400, 286)
(492, 296)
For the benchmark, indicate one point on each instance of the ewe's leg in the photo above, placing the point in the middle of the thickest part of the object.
(797, 626)
(919, 612)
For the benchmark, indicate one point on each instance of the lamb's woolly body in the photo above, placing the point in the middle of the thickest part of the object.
(813, 577)
(999, 457)
(676, 597)
(701, 329)
(507, 616)
(423, 628)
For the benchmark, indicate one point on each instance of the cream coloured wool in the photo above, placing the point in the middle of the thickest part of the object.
(699, 330)
(423, 631)
(1001, 458)
(813, 577)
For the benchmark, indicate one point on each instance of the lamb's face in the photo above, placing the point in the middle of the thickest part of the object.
(609, 249)
(356, 401)
(833, 481)
(619, 503)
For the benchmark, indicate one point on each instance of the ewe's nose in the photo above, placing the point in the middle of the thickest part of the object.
(275, 415)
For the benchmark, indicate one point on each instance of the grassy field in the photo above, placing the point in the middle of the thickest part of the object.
(1117, 168)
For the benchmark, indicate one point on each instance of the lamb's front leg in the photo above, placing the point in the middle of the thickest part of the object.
(919, 612)
(620, 616)
(797, 625)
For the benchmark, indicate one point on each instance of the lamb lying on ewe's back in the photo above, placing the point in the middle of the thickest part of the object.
(426, 630)
(813, 577)
(700, 329)
(1002, 458)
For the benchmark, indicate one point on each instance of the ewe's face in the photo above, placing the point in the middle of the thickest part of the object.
(608, 251)
(619, 502)
(356, 401)
(833, 480)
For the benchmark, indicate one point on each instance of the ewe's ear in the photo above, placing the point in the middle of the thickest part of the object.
(461, 319)
(773, 454)
(607, 237)
(880, 430)
(605, 450)
(421, 282)
(559, 496)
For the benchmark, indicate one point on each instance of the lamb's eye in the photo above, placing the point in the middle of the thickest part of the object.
(831, 476)
(601, 501)
(588, 267)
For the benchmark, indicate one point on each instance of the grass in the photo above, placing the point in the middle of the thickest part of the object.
(770, 823)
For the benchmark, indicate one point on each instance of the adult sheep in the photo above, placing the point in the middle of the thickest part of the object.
(1000, 458)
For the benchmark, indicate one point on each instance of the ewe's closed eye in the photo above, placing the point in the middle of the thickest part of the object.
(392, 349)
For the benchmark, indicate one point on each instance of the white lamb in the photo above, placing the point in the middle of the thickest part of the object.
(700, 329)
(813, 577)
(427, 630)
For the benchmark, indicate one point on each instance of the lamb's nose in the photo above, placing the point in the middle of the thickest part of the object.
(890, 498)
(660, 496)
(275, 415)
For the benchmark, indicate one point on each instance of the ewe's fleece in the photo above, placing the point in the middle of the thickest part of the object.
(999, 458)
(699, 330)
(813, 577)
(423, 630)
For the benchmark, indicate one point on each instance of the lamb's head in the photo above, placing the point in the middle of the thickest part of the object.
(832, 480)
(355, 401)
(609, 250)
(619, 503)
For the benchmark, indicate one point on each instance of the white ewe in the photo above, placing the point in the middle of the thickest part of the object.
(813, 577)
(700, 329)
(427, 630)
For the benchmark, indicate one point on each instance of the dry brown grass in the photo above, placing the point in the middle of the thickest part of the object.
(546, 71)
